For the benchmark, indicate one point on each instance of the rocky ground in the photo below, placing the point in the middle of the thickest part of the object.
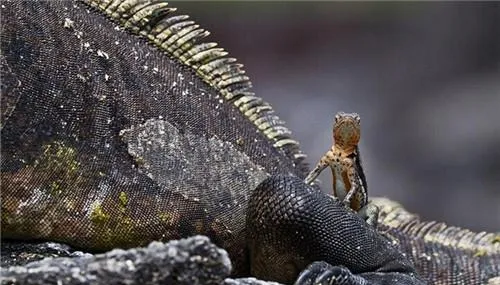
(193, 260)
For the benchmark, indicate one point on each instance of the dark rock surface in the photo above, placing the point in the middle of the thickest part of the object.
(20, 253)
(248, 281)
(194, 260)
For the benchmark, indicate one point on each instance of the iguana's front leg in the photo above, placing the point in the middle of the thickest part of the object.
(295, 231)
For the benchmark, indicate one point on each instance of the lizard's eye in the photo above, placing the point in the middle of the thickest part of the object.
(337, 118)
(358, 119)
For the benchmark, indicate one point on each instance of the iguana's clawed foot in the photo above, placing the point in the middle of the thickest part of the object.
(320, 272)
(370, 214)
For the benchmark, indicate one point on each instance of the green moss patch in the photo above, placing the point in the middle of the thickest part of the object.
(98, 215)
(60, 162)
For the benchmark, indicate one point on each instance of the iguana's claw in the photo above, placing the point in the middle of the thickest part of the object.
(320, 272)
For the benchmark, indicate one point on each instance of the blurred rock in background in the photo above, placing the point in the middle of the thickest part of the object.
(425, 78)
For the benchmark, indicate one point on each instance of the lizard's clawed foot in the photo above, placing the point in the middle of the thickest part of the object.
(370, 214)
(311, 177)
(348, 198)
(320, 272)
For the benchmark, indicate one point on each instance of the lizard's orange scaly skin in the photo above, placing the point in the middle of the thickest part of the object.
(349, 183)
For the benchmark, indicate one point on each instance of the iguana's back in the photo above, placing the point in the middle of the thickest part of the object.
(107, 142)
(104, 160)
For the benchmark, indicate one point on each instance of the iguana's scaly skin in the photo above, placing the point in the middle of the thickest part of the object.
(443, 254)
(113, 140)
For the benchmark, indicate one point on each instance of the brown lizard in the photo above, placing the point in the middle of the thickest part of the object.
(349, 181)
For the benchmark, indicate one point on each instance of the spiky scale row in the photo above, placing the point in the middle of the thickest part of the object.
(395, 216)
(181, 39)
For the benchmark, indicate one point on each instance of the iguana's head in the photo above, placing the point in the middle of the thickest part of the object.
(346, 131)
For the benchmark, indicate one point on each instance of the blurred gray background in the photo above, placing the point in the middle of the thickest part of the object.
(425, 78)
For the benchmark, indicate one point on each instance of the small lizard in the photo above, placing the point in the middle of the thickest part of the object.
(349, 181)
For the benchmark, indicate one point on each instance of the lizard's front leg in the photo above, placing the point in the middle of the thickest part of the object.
(354, 182)
(366, 210)
(320, 166)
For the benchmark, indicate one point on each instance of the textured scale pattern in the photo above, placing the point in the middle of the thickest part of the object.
(112, 118)
(305, 221)
(439, 251)
(181, 38)
(395, 216)
(98, 125)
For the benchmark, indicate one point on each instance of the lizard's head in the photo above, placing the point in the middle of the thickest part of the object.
(346, 131)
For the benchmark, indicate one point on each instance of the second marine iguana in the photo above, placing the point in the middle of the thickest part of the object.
(113, 140)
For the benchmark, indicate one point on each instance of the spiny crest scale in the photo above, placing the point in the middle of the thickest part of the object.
(181, 38)
(395, 216)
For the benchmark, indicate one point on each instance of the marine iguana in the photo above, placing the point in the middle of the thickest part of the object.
(344, 159)
(120, 126)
